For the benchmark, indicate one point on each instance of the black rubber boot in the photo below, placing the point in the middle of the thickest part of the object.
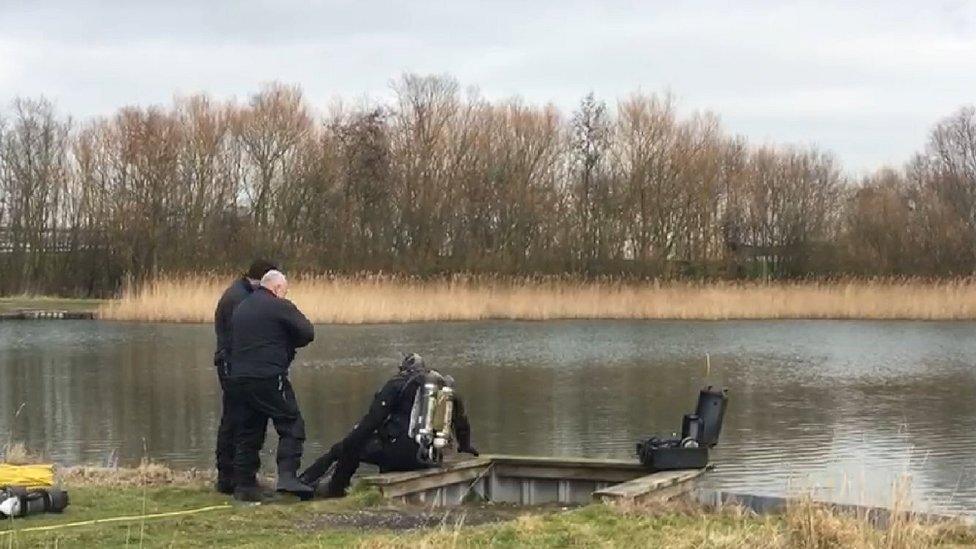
(224, 485)
(318, 470)
(250, 494)
(289, 483)
(314, 475)
(329, 490)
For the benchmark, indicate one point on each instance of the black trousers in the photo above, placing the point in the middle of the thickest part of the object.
(252, 403)
(397, 454)
(226, 431)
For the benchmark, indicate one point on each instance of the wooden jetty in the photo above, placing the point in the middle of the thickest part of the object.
(525, 480)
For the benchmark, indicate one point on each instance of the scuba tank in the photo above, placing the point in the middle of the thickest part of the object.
(17, 501)
(432, 417)
(691, 430)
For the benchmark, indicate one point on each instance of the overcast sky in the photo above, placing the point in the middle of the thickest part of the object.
(866, 80)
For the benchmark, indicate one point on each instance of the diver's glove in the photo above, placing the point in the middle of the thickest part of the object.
(468, 449)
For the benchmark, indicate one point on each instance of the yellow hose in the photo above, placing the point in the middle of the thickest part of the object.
(116, 519)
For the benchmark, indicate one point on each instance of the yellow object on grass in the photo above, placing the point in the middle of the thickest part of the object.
(28, 476)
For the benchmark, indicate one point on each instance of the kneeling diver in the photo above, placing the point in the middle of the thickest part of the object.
(393, 434)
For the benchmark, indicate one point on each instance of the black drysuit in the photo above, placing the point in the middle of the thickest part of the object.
(266, 330)
(237, 292)
(381, 436)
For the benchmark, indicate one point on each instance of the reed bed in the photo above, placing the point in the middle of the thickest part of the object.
(16, 453)
(360, 300)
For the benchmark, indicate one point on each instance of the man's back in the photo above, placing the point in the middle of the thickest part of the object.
(266, 330)
(233, 296)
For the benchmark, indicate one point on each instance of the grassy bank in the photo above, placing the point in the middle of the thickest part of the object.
(369, 300)
(16, 303)
(155, 506)
(207, 519)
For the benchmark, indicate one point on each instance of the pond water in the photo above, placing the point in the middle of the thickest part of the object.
(841, 408)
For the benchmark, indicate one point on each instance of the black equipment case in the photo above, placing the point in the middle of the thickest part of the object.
(667, 455)
(699, 432)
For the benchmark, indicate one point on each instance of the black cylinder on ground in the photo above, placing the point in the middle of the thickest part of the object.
(35, 501)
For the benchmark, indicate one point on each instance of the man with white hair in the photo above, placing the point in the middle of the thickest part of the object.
(266, 330)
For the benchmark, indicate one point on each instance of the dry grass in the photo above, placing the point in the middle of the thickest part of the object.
(811, 525)
(806, 525)
(148, 473)
(383, 299)
(16, 453)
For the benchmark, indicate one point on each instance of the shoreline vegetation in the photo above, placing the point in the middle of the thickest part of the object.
(384, 299)
(152, 505)
(439, 178)
(47, 303)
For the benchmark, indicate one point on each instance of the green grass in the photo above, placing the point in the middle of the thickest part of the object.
(289, 523)
(13, 303)
(237, 525)
(601, 526)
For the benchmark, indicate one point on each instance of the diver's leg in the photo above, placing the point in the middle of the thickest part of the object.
(353, 450)
(317, 470)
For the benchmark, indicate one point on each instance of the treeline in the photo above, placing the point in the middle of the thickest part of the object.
(442, 181)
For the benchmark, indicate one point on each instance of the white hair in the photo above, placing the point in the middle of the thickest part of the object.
(273, 278)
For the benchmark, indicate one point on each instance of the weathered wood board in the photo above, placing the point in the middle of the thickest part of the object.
(530, 480)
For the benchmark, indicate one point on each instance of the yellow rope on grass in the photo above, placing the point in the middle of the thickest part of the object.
(116, 519)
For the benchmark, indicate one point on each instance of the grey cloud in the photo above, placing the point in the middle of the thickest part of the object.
(863, 79)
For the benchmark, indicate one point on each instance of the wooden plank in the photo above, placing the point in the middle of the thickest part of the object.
(660, 485)
(628, 479)
(434, 478)
(429, 483)
(392, 478)
(663, 495)
(556, 472)
(505, 459)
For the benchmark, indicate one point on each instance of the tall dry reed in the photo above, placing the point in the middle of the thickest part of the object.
(383, 299)
(16, 453)
(680, 524)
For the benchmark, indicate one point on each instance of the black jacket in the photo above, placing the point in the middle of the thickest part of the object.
(266, 330)
(389, 413)
(237, 292)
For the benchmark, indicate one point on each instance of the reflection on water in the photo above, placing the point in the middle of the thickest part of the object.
(842, 407)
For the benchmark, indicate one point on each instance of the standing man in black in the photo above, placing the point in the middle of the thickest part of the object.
(266, 331)
(232, 297)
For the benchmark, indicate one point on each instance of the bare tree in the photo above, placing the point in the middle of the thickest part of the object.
(33, 180)
(442, 181)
